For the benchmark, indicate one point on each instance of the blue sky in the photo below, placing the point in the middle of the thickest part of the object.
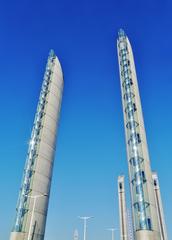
(91, 145)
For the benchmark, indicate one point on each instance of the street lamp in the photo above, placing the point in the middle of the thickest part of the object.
(34, 204)
(85, 224)
(113, 232)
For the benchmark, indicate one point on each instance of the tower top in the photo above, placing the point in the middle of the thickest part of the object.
(121, 177)
(76, 235)
(121, 33)
(52, 54)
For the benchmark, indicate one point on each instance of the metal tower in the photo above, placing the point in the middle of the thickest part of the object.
(122, 208)
(129, 226)
(34, 194)
(141, 183)
(160, 211)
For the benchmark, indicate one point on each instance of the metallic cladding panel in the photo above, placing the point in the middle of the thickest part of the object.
(33, 218)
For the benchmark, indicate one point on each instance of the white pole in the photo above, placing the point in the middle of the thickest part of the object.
(85, 228)
(113, 234)
(30, 228)
(85, 224)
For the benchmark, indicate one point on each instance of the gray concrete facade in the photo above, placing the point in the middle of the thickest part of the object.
(34, 195)
(144, 210)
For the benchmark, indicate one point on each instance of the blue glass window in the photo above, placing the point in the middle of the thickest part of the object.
(149, 224)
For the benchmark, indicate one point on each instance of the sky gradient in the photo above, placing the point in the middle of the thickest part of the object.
(91, 145)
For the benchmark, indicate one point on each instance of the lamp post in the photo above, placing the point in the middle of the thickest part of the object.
(34, 204)
(85, 224)
(113, 232)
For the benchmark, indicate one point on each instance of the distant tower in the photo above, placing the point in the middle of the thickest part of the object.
(34, 194)
(162, 224)
(76, 235)
(140, 174)
(122, 208)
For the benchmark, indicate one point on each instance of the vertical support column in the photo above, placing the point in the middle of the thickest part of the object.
(122, 208)
(159, 205)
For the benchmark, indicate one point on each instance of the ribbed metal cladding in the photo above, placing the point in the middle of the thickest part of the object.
(141, 184)
(34, 194)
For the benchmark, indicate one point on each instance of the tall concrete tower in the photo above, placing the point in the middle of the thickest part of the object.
(122, 208)
(34, 194)
(159, 205)
(141, 184)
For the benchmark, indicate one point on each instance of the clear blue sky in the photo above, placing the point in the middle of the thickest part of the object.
(91, 145)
